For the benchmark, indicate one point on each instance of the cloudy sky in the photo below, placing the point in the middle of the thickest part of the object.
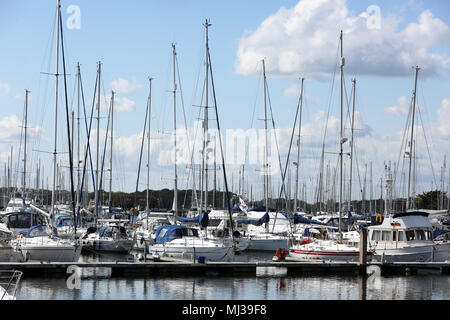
(382, 42)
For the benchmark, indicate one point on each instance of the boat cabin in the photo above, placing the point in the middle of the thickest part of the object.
(408, 226)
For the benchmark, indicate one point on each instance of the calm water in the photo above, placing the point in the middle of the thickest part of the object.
(269, 284)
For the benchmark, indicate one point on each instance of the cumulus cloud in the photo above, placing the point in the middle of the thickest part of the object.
(304, 40)
(125, 86)
(444, 118)
(399, 109)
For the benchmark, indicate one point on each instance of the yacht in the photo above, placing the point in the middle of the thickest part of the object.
(109, 238)
(407, 237)
(42, 244)
(8, 253)
(179, 241)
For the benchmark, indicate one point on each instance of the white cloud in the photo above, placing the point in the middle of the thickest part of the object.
(444, 118)
(304, 39)
(125, 86)
(124, 104)
(399, 109)
(4, 89)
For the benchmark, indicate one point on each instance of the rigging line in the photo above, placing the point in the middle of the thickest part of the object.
(283, 174)
(403, 143)
(221, 148)
(142, 147)
(185, 127)
(426, 143)
(104, 153)
(72, 190)
(88, 133)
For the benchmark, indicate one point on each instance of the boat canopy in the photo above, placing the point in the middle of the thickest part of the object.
(174, 231)
(262, 209)
(38, 231)
(202, 219)
(299, 219)
(256, 222)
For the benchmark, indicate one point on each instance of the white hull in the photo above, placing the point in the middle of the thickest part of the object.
(326, 251)
(35, 250)
(269, 243)
(424, 253)
(108, 245)
(181, 249)
(9, 254)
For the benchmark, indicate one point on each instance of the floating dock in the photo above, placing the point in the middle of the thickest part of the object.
(171, 267)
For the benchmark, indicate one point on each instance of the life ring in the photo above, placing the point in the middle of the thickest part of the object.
(281, 253)
(306, 241)
(379, 218)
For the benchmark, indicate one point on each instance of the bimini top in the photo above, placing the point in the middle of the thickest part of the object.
(107, 230)
(38, 231)
(174, 231)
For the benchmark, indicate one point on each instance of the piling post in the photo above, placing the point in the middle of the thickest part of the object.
(363, 250)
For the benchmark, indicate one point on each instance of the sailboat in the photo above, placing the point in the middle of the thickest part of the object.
(406, 236)
(311, 248)
(41, 243)
(180, 241)
(112, 235)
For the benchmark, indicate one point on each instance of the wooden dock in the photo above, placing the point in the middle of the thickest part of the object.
(170, 267)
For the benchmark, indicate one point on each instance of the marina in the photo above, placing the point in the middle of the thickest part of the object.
(116, 187)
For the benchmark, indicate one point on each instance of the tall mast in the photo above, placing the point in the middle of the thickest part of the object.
(298, 147)
(205, 121)
(351, 148)
(78, 133)
(111, 152)
(266, 166)
(342, 137)
(97, 184)
(147, 206)
(175, 190)
(408, 204)
(25, 144)
(52, 210)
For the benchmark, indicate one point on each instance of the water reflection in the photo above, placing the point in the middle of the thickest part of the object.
(416, 287)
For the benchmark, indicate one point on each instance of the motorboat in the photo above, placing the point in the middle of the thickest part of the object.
(107, 238)
(42, 244)
(407, 237)
(182, 242)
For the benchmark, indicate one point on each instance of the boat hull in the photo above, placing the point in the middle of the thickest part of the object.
(267, 243)
(108, 245)
(424, 253)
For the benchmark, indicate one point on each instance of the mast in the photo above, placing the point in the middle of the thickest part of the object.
(147, 205)
(175, 190)
(52, 209)
(25, 144)
(408, 204)
(351, 148)
(205, 121)
(266, 166)
(342, 141)
(78, 133)
(298, 147)
(111, 152)
(97, 184)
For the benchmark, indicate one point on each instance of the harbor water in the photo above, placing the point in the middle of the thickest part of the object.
(268, 284)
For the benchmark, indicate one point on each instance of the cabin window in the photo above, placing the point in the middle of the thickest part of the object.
(376, 235)
(386, 236)
(428, 235)
(420, 235)
(394, 235)
(401, 236)
(410, 235)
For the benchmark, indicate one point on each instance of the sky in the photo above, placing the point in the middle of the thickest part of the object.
(382, 42)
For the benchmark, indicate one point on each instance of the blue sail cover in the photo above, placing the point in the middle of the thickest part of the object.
(202, 219)
(171, 232)
(256, 222)
(352, 218)
(437, 233)
(262, 209)
(300, 219)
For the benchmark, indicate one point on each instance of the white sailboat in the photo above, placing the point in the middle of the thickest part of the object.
(330, 249)
(41, 242)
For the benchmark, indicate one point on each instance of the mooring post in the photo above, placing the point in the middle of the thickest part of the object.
(363, 249)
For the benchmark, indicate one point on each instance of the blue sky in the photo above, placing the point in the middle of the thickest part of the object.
(133, 41)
